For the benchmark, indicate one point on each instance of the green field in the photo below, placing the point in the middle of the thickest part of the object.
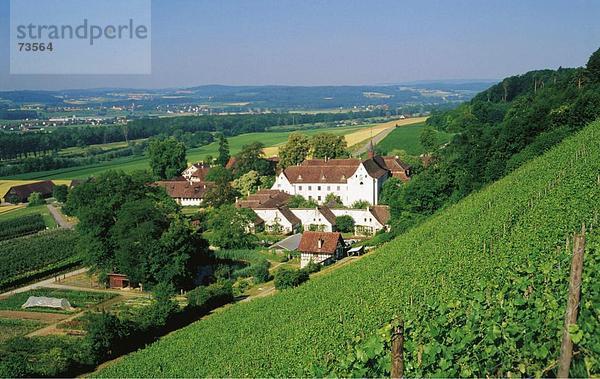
(129, 164)
(497, 260)
(407, 138)
(78, 299)
(10, 328)
(41, 209)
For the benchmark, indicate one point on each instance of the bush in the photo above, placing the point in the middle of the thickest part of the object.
(360, 204)
(312, 267)
(159, 313)
(260, 271)
(345, 224)
(35, 199)
(105, 333)
(289, 278)
(206, 298)
(60, 193)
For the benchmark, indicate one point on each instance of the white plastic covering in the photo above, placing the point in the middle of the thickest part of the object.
(46, 302)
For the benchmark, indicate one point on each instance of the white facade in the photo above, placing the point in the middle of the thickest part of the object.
(365, 222)
(359, 186)
(305, 258)
(273, 218)
(188, 202)
(312, 216)
(188, 172)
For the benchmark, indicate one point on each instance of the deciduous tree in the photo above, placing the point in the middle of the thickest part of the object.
(327, 145)
(294, 151)
(167, 157)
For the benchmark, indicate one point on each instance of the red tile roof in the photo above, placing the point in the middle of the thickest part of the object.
(381, 213)
(319, 174)
(339, 170)
(329, 242)
(328, 214)
(184, 190)
(200, 173)
(265, 198)
(285, 212)
(231, 162)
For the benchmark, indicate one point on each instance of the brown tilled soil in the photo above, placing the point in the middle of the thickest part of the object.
(39, 316)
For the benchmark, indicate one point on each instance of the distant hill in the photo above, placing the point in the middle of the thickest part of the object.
(285, 97)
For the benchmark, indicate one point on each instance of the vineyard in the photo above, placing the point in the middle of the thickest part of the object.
(481, 287)
(26, 258)
(21, 226)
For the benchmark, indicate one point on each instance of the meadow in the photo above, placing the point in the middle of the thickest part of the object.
(129, 164)
(497, 260)
(354, 135)
(407, 138)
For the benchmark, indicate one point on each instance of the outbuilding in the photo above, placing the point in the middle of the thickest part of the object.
(118, 281)
(321, 247)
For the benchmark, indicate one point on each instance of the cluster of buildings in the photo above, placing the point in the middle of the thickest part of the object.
(275, 216)
(188, 189)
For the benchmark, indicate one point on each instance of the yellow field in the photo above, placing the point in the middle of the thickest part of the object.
(6, 184)
(362, 135)
(366, 133)
(9, 208)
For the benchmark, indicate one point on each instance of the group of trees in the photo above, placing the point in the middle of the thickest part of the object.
(497, 131)
(129, 227)
(323, 145)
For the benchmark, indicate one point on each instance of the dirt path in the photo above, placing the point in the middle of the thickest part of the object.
(43, 283)
(58, 217)
(38, 316)
(376, 139)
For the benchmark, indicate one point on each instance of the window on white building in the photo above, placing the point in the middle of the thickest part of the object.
(338, 188)
(300, 188)
(318, 188)
(328, 188)
(309, 188)
(319, 197)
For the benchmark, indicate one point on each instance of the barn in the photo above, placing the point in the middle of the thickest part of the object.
(20, 193)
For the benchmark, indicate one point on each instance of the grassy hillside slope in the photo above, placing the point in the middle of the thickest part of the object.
(525, 217)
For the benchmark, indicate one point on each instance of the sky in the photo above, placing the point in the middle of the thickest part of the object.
(341, 42)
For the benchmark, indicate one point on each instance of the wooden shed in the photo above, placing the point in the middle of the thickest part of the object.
(118, 281)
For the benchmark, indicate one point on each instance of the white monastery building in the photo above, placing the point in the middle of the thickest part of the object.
(349, 179)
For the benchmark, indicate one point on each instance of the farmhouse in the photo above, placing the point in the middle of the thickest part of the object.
(196, 173)
(350, 179)
(21, 192)
(320, 247)
(184, 192)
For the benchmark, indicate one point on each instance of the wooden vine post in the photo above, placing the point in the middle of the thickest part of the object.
(566, 347)
(397, 351)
